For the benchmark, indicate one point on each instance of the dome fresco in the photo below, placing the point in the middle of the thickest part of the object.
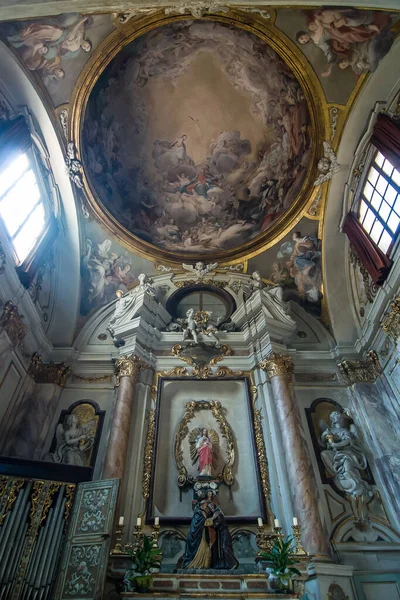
(197, 137)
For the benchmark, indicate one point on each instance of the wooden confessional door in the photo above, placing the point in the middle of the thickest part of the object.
(84, 561)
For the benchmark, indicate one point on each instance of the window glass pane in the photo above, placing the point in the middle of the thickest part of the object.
(397, 205)
(396, 177)
(390, 195)
(368, 190)
(363, 210)
(385, 241)
(19, 201)
(26, 238)
(376, 200)
(373, 175)
(369, 220)
(387, 168)
(384, 211)
(381, 185)
(10, 175)
(376, 231)
(393, 222)
(379, 158)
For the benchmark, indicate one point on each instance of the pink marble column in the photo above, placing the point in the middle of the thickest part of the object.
(280, 369)
(126, 369)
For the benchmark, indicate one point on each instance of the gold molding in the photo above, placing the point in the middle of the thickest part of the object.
(129, 366)
(277, 365)
(361, 371)
(42, 372)
(284, 47)
(148, 454)
(391, 322)
(226, 476)
(101, 379)
(12, 323)
(226, 350)
(261, 454)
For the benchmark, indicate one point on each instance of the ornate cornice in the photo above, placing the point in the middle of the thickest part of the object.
(129, 366)
(12, 323)
(277, 365)
(361, 371)
(48, 372)
(391, 321)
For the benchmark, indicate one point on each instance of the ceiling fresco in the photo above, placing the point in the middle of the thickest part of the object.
(341, 44)
(57, 48)
(201, 139)
(189, 145)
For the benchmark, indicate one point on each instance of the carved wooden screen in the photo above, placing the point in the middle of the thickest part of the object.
(85, 557)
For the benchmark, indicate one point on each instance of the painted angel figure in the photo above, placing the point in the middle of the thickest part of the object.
(200, 269)
(73, 441)
(327, 166)
(204, 448)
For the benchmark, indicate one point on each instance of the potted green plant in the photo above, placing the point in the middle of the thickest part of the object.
(146, 560)
(280, 563)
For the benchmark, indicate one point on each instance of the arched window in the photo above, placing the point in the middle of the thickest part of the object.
(26, 195)
(379, 208)
(22, 208)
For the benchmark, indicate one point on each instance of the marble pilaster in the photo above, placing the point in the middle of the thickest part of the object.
(279, 369)
(127, 369)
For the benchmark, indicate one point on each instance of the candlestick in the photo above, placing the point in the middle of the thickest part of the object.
(295, 521)
(260, 522)
(299, 548)
(119, 532)
(138, 522)
(121, 521)
(156, 521)
(276, 523)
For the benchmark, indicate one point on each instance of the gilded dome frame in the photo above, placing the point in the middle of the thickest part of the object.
(295, 60)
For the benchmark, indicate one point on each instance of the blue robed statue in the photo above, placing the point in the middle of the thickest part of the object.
(208, 543)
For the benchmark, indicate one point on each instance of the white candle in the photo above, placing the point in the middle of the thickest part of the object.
(260, 522)
(138, 522)
(121, 521)
(157, 521)
(295, 521)
(276, 523)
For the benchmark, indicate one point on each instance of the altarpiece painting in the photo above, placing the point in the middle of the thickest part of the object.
(205, 444)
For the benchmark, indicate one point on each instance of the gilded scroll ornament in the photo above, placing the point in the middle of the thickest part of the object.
(206, 282)
(197, 9)
(148, 454)
(129, 366)
(12, 323)
(361, 371)
(226, 476)
(370, 288)
(391, 321)
(83, 379)
(50, 372)
(12, 493)
(277, 365)
(51, 490)
(261, 454)
(69, 494)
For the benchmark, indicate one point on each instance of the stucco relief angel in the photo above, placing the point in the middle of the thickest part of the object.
(327, 166)
(200, 269)
(204, 449)
(74, 441)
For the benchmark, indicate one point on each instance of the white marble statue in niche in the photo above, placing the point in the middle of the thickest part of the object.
(343, 456)
(74, 441)
(272, 293)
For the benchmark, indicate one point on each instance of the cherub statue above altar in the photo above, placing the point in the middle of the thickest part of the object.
(343, 456)
(198, 324)
(204, 448)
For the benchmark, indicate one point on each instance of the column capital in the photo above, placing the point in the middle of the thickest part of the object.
(129, 366)
(277, 365)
